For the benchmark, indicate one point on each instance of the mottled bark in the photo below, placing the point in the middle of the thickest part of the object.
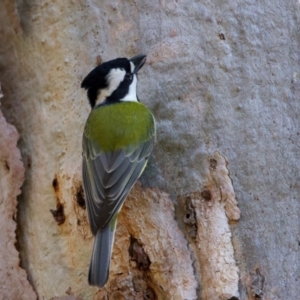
(13, 280)
(216, 213)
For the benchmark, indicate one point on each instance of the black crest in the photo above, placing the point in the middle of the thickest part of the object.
(97, 80)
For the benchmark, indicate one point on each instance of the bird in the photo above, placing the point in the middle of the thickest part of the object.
(118, 139)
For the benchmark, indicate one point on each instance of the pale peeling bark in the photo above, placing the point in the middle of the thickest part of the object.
(150, 258)
(148, 216)
(13, 279)
(212, 209)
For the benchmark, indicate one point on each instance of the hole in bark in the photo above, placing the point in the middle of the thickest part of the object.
(149, 294)
(58, 214)
(233, 298)
(221, 36)
(137, 253)
(6, 165)
(55, 184)
(80, 197)
(189, 217)
(206, 195)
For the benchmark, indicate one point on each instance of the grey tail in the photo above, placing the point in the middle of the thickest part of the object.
(100, 261)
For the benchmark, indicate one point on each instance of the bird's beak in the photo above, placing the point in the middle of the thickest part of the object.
(138, 62)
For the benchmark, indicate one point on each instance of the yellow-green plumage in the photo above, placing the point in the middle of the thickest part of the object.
(119, 125)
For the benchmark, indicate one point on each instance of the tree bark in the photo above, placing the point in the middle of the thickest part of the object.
(216, 213)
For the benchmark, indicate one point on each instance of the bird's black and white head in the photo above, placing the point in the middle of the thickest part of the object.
(113, 81)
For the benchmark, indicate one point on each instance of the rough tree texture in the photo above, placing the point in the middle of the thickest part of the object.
(158, 259)
(13, 280)
(207, 216)
(220, 76)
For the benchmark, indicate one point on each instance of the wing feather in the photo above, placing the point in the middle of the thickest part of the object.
(117, 159)
(118, 187)
(89, 195)
(109, 177)
(120, 175)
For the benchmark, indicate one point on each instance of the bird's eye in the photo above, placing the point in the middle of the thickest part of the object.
(128, 76)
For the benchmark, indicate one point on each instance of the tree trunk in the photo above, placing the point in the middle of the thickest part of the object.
(216, 213)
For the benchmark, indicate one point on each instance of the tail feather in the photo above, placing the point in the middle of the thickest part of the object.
(100, 261)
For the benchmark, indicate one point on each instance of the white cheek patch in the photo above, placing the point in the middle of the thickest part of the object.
(114, 78)
(131, 96)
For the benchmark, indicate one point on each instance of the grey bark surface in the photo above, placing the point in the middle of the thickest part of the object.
(223, 81)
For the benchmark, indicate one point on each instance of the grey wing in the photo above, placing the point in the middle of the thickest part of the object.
(109, 177)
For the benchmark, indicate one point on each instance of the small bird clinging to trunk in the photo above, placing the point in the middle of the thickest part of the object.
(117, 142)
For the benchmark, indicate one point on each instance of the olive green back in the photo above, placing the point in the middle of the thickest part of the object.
(119, 125)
